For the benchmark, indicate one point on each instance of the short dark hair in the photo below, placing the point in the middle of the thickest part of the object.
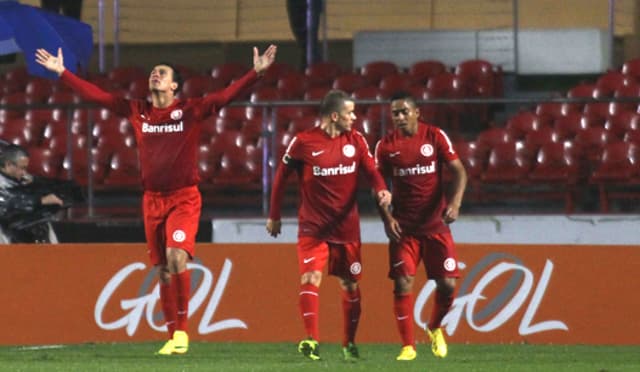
(11, 153)
(405, 96)
(333, 101)
(177, 76)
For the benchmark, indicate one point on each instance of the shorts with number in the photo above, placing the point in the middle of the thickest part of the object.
(344, 258)
(437, 251)
(171, 221)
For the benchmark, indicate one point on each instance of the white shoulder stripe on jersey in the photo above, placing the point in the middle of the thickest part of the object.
(375, 151)
(446, 138)
(286, 155)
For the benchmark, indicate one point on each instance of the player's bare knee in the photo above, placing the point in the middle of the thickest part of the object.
(403, 285)
(164, 275)
(348, 285)
(446, 285)
(176, 260)
(312, 277)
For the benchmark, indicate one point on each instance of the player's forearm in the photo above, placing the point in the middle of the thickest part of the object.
(277, 191)
(228, 94)
(458, 185)
(87, 91)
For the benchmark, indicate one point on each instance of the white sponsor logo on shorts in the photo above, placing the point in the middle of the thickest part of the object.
(449, 264)
(179, 236)
(355, 268)
(308, 259)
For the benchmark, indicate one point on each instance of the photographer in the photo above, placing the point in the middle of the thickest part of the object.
(25, 211)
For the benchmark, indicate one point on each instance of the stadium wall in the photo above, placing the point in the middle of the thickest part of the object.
(537, 279)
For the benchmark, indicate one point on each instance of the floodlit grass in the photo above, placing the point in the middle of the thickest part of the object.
(284, 357)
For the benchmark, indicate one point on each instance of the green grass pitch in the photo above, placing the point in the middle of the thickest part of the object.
(207, 356)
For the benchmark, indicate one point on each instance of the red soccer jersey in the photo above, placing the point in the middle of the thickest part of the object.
(414, 165)
(167, 138)
(327, 169)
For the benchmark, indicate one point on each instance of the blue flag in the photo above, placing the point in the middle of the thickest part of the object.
(26, 28)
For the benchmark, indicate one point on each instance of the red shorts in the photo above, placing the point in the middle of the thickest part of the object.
(344, 258)
(171, 221)
(437, 251)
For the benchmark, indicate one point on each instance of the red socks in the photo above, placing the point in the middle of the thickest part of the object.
(351, 315)
(168, 302)
(309, 307)
(403, 310)
(440, 309)
(182, 284)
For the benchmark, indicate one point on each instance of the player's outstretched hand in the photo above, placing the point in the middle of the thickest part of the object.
(392, 229)
(384, 198)
(50, 62)
(262, 62)
(274, 227)
(450, 214)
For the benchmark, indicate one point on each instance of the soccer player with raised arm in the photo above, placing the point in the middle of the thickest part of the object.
(413, 157)
(167, 132)
(327, 159)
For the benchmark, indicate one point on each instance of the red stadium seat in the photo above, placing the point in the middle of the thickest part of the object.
(79, 170)
(229, 71)
(199, 85)
(322, 73)
(631, 91)
(447, 85)
(489, 138)
(316, 93)
(479, 78)
(632, 68)
(538, 138)
(632, 136)
(389, 85)
(121, 77)
(556, 162)
(553, 110)
(375, 71)
(525, 122)
(239, 113)
(237, 169)
(616, 174)
(611, 81)
(422, 71)
(592, 140)
(39, 89)
(124, 169)
(350, 82)
(568, 126)
(557, 165)
(265, 94)
(507, 164)
(138, 89)
(252, 131)
(474, 160)
(275, 72)
(303, 123)
(292, 86)
(225, 141)
(622, 122)
(44, 163)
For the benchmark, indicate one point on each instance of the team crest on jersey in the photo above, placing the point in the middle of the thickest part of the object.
(176, 114)
(349, 151)
(426, 150)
